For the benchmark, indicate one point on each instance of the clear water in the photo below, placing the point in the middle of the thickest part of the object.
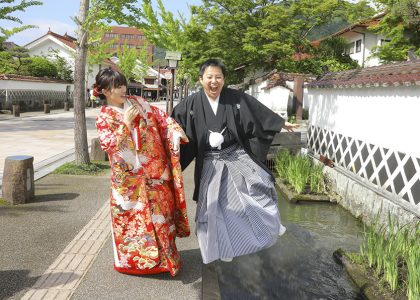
(301, 264)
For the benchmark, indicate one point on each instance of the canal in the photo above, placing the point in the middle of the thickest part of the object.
(301, 264)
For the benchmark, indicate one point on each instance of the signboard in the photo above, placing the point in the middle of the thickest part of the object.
(172, 55)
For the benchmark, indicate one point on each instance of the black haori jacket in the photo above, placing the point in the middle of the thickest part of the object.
(249, 121)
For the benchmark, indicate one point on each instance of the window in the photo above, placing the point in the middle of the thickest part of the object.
(349, 49)
(384, 41)
(358, 46)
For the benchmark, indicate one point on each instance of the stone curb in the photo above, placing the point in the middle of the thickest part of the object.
(295, 197)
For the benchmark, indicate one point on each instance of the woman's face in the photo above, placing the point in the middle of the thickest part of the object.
(212, 81)
(116, 96)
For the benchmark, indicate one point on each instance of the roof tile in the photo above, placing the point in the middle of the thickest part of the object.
(403, 73)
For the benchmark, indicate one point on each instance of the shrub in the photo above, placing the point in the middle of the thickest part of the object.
(42, 67)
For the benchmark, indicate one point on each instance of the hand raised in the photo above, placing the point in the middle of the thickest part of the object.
(130, 114)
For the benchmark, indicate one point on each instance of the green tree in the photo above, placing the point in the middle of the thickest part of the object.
(6, 62)
(329, 55)
(94, 14)
(64, 69)
(401, 25)
(42, 67)
(249, 34)
(19, 60)
(133, 62)
(7, 8)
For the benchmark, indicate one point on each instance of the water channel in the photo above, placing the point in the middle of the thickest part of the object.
(301, 265)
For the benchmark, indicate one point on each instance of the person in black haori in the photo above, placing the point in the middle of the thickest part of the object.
(230, 133)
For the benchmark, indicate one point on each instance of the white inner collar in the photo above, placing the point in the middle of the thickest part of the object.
(214, 103)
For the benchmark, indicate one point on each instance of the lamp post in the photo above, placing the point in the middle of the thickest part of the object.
(173, 58)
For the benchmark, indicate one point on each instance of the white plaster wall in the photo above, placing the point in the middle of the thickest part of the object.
(385, 116)
(32, 85)
(90, 77)
(371, 41)
(306, 100)
(43, 49)
(275, 98)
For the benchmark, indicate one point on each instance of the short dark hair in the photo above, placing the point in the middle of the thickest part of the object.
(107, 79)
(213, 62)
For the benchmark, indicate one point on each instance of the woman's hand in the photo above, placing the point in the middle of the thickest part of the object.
(130, 114)
(289, 126)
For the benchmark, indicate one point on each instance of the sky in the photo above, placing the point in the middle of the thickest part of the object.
(56, 14)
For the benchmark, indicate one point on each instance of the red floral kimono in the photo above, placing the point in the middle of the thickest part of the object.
(147, 194)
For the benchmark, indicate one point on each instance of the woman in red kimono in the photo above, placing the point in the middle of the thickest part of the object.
(147, 197)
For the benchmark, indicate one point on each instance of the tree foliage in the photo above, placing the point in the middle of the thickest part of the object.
(401, 25)
(40, 67)
(250, 34)
(7, 8)
(94, 15)
(133, 62)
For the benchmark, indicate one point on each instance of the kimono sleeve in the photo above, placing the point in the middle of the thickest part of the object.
(183, 115)
(169, 131)
(260, 125)
(127, 180)
(113, 134)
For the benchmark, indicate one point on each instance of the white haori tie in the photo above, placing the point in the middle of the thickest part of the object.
(216, 139)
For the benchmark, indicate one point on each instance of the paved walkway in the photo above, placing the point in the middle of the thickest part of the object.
(41, 135)
(58, 246)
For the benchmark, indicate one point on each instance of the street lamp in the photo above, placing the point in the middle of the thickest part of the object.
(173, 58)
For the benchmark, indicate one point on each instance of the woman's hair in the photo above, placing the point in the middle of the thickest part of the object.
(213, 62)
(107, 79)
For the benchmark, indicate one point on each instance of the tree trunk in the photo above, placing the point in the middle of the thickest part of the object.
(80, 133)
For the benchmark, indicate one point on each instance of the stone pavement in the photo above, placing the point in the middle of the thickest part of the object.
(40, 135)
(58, 246)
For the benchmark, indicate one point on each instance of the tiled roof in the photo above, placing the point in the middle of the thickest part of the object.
(396, 74)
(125, 30)
(9, 45)
(30, 78)
(66, 39)
(365, 23)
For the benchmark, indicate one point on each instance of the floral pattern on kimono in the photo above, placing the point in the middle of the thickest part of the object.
(148, 206)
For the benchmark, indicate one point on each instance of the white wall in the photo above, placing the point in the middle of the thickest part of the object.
(44, 49)
(275, 98)
(385, 116)
(369, 40)
(33, 85)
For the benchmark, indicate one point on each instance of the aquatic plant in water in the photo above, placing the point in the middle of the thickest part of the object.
(300, 172)
(393, 252)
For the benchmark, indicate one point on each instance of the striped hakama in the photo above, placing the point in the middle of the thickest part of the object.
(237, 211)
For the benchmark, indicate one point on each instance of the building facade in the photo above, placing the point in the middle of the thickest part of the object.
(365, 121)
(129, 36)
(361, 41)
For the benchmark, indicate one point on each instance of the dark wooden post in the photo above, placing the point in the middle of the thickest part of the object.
(298, 97)
(46, 108)
(16, 110)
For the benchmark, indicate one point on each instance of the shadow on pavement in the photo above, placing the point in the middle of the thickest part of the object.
(24, 209)
(190, 269)
(14, 281)
(54, 197)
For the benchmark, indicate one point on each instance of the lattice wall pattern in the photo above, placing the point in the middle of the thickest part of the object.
(32, 98)
(388, 170)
